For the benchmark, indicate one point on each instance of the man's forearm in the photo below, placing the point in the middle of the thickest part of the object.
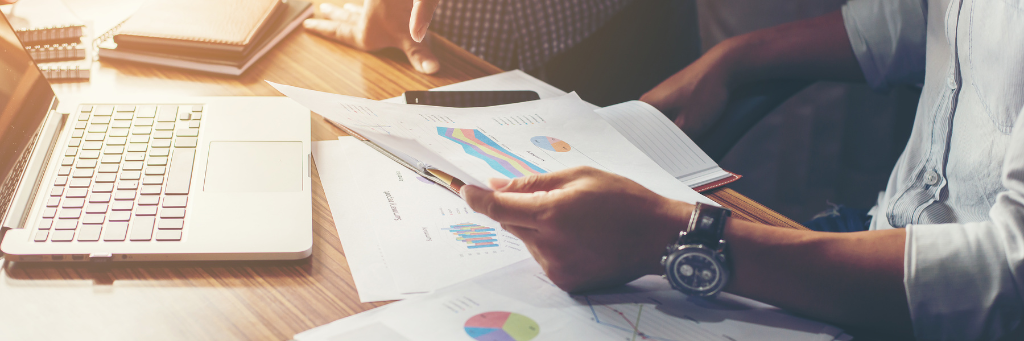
(852, 279)
(816, 49)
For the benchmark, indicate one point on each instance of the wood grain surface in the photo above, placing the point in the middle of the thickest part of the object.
(234, 300)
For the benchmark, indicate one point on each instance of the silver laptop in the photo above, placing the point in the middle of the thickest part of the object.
(214, 178)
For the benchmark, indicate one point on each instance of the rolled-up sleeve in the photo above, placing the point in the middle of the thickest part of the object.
(888, 38)
(963, 281)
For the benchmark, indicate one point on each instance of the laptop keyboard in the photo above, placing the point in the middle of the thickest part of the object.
(124, 176)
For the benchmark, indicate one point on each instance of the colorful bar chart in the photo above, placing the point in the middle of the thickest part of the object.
(473, 235)
(476, 143)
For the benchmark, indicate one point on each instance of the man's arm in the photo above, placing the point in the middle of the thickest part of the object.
(817, 48)
(590, 229)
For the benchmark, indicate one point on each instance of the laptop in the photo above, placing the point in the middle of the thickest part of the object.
(108, 179)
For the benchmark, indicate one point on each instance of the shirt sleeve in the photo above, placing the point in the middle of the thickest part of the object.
(888, 38)
(964, 281)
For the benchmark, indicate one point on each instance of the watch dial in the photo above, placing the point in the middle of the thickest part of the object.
(698, 271)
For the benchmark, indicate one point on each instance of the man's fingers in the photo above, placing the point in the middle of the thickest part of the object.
(422, 57)
(336, 13)
(337, 30)
(526, 234)
(422, 12)
(507, 208)
(539, 182)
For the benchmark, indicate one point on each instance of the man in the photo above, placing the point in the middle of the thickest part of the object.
(522, 34)
(943, 256)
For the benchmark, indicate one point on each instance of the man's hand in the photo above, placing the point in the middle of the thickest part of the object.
(695, 96)
(380, 24)
(587, 228)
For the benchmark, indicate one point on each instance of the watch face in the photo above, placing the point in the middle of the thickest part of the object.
(696, 272)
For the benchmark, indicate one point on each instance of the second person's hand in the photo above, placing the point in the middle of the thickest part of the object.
(695, 96)
(380, 24)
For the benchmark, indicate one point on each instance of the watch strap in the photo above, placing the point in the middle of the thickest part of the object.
(706, 225)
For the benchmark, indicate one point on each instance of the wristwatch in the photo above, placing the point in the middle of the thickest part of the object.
(696, 263)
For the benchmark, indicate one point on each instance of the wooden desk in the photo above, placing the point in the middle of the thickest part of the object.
(234, 300)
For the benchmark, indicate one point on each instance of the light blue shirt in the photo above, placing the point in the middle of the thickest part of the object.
(958, 187)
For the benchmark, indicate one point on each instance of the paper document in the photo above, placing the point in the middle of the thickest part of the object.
(643, 125)
(519, 303)
(404, 235)
(509, 141)
(648, 129)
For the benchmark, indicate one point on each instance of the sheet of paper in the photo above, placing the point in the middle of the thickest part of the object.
(520, 303)
(502, 141)
(403, 234)
(658, 137)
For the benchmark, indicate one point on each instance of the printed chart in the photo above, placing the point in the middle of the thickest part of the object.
(550, 143)
(478, 145)
(475, 236)
(501, 326)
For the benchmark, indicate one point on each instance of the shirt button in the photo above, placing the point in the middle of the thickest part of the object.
(931, 178)
(951, 81)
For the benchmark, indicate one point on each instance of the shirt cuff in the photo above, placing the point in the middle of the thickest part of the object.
(958, 282)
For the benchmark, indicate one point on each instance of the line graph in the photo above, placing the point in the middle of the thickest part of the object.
(638, 317)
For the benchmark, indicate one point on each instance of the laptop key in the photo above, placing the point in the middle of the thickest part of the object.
(160, 152)
(49, 212)
(133, 166)
(81, 124)
(71, 213)
(196, 108)
(139, 139)
(192, 132)
(95, 136)
(86, 164)
(100, 120)
(145, 210)
(45, 224)
(166, 126)
(116, 141)
(60, 181)
(118, 132)
(93, 219)
(108, 168)
(137, 147)
(122, 108)
(78, 133)
(121, 124)
(141, 131)
(89, 154)
(131, 175)
(73, 203)
(156, 161)
(64, 171)
(142, 228)
(97, 128)
(179, 173)
(113, 150)
(111, 159)
(62, 236)
(146, 111)
(124, 205)
(171, 224)
(124, 195)
(175, 200)
(82, 173)
(127, 184)
(144, 122)
(75, 142)
(155, 170)
(105, 187)
(66, 224)
(71, 152)
(41, 235)
(92, 145)
(115, 231)
(168, 235)
(99, 197)
(172, 213)
(149, 199)
(57, 191)
(151, 189)
(96, 208)
(52, 201)
(184, 111)
(85, 108)
(89, 233)
(77, 192)
(193, 124)
(153, 180)
(162, 134)
(120, 216)
(135, 156)
(80, 183)
(166, 113)
(105, 178)
(103, 110)
(185, 142)
(67, 161)
(124, 116)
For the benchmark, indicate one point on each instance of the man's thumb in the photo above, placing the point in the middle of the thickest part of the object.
(422, 57)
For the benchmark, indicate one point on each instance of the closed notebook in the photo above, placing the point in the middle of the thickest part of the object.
(38, 22)
(218, 25)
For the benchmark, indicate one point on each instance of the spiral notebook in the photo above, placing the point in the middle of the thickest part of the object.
(42, 22)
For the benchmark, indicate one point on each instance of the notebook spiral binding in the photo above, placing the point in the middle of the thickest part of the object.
(46, 53)
(54, 33)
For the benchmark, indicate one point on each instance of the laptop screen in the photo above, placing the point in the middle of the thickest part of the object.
(25, 98)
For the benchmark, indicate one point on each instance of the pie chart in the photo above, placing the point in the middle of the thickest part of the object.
(550, 143)
(501, 326)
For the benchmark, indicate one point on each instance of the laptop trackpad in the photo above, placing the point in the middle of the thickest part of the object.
(254, 167)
